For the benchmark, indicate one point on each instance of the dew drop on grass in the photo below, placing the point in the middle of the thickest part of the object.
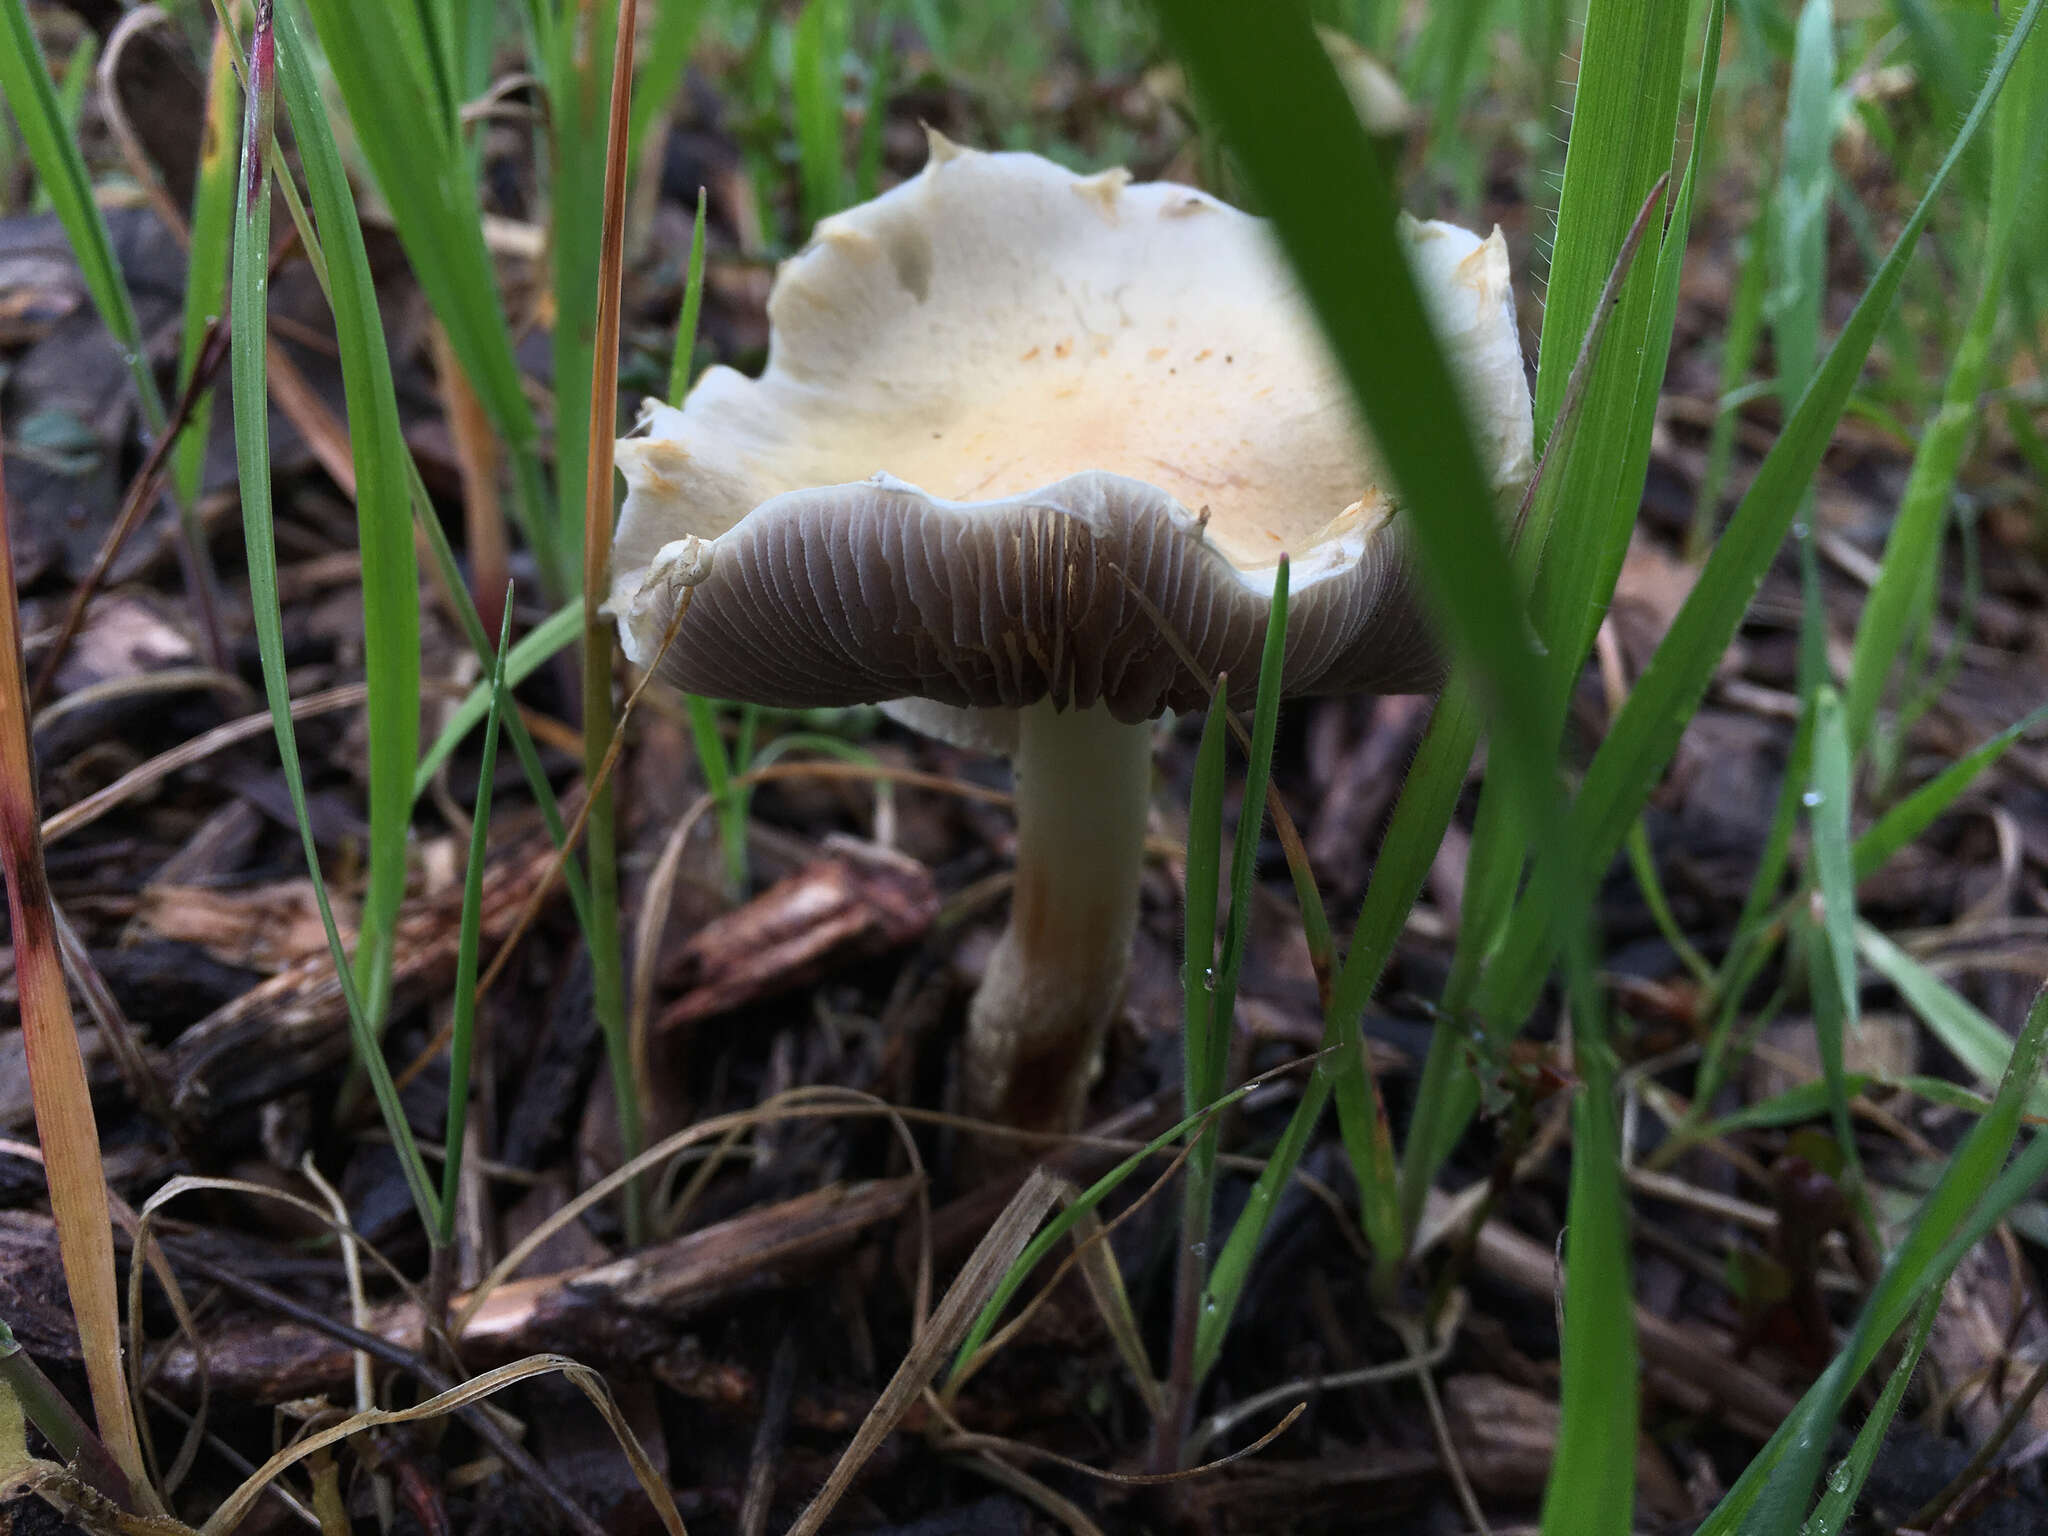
(1812, 798)
(1208, 978)
(1199, 1250)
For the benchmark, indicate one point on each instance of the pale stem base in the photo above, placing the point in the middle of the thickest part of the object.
(1056, 977)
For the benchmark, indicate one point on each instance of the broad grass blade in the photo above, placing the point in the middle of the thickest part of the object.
(391, 580)
(1640, 743)
(248, 288)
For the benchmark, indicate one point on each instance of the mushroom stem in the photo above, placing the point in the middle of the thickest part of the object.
(1056, 977)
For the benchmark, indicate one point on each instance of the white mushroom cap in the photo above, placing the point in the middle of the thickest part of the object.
(1012, 419)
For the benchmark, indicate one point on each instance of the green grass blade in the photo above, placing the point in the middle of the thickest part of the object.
(390, 582)
(682, 365)
(60, 171)
(1244, 855)
(428, 522)
(1799, 254)
(1344, 250)
(1973, 1039)
(248, 289)
(1897, 600)
(1203, 1051)
(78, 72)
(1209, 981)
(206, 262)
(1770, 1498)
(545, 640)
(578, 70)
(1043, 1244)
(1597, 452)
(1643, 864)
(1846, 1481)
(1809, 1101)
(1739, 340)
(427, 182)
(1914, 814)
(1827, 809)
(1624, 132)
(1592, 1481)
(462, 1027)
(1632, 759)
(1429, 795)
(1624, 122)
(715, 763)
(817, 90)
(1205, 1057)
(533, 650)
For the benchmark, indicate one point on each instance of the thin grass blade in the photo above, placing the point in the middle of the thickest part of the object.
(598, 419)
(1912, 547)
(1202, 1052)
(1093, 1196)
(60, 170)
(1771, 1496)
(206, 260)
(1827, 809)
(1631, 760)
(670, 37)
(1592, 1481)
(1428, 797)
(462, 1029)
(1244, 856)
(1354, 274)
(683, 363)
(1970, 1036)
(1846, 1481)
(1914, 814)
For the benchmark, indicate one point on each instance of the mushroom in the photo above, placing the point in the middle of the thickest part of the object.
(1024, 461)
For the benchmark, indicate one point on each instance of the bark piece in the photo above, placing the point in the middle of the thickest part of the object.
(860, 902)
(622, 1310)
(291, 1028)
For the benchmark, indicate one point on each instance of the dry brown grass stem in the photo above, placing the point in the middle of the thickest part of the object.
(65, 1122)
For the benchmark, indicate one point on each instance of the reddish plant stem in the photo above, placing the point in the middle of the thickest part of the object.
(56, 1069)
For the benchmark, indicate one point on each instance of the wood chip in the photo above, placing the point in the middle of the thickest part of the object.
(620, 1310)
(277, 1036)
(860, 902)
(268, 928)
